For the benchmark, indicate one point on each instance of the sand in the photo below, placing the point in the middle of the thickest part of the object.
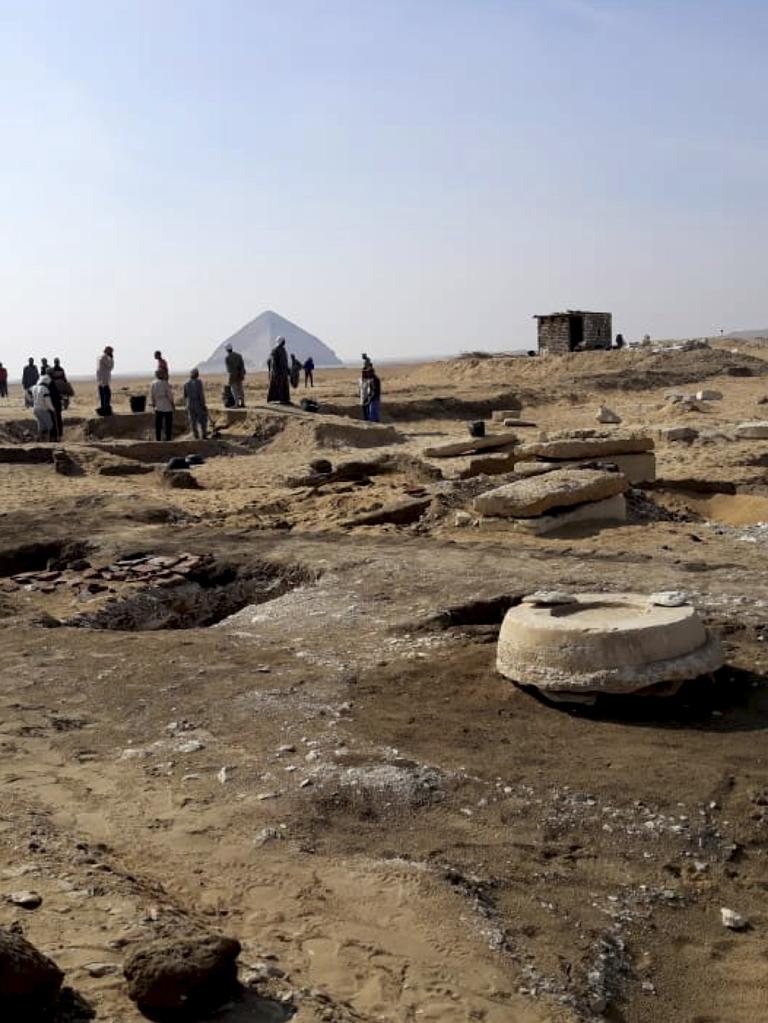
(408, 834)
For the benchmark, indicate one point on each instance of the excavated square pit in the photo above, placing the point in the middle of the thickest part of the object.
(203, 599)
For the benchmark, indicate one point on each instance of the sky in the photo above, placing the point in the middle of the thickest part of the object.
(406, 178)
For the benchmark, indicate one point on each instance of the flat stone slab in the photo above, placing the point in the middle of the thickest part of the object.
(585, 447)
(562, 488)
(597, 513)
(639, 468)
(614, 643)
(756, 430)
(489, 465)
(473, 445)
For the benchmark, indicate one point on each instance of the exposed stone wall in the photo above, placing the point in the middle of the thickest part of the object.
(598, 328)
(554, 335)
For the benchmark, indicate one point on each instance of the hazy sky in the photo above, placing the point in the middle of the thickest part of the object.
(397, 176)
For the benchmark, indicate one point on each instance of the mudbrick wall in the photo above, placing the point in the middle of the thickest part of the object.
(555, 332)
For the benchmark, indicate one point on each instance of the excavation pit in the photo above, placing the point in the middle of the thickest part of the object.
(202, 599)
(605, 643)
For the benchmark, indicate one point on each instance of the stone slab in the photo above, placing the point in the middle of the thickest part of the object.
(489, 465)
(605, 643)
(639, 468)
(756, 430)
(473, 445)
(610, 510)
(562, 488)
(499, 415)
(568, 448)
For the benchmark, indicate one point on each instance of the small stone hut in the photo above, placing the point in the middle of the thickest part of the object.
(574, 331)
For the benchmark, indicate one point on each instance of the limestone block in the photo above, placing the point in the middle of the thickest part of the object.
(756, 430)
(499, 415)
(559, 489)
(612, 643)
(489, 465)
(639, 468)
(585, 447)
(473, 445)
(610, 510)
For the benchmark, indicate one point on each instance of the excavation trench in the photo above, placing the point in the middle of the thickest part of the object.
(201, 600)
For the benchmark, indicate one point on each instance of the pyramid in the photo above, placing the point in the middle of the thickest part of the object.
(255, 340)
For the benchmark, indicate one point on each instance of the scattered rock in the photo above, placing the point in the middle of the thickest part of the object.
(462, 518)
(178, 479)
(563, 488)
(755, 430)
(29, 981)
(669, 598)
(673, 434)
(549, 598)
(65, 464)
(607, 415)
(709, 395)
(732, 920)
(401, 513)
(321, 465)
(183, 978)
(27, 900)
(98, 970)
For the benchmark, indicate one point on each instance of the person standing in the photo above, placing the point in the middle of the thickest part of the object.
(42, 406)
(295, 371)
(161, 400)
(370, 394)
(104, 368)
(29, 377)
(279, 385)
(236, 368)
(59, 380)
(3, 381)
(197, 410)
(57, 432)
(162, 366)
(309, 372)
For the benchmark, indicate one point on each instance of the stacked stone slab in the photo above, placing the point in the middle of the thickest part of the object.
(553, 500)
(632, 454)
(576, 645)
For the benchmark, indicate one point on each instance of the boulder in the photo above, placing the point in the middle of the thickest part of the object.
(674, 434)
(756, 430)
(183, 978)
(562, 488)
(29, 981)
(607, 415)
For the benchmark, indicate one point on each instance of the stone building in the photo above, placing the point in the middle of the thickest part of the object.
(573, 331)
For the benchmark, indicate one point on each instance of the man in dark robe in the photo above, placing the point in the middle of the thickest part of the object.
(279, 388)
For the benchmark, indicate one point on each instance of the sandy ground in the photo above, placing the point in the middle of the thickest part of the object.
(338, 776)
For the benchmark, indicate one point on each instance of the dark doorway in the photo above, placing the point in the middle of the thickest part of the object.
(575, 332)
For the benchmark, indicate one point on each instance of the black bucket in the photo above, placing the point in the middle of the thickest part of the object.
(477, 429)
(138, 403)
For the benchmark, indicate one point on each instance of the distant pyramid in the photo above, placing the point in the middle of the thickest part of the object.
(256, 339)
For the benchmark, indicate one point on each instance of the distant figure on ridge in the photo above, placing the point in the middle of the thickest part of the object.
(370, 394)
(162, 366)
(279, 389)
(309, 372)
(29, 377)
(295, 371)
(236, 368)
(104, 368)
(3, 381)
(197, 410)
(42, 406)
(161, 400)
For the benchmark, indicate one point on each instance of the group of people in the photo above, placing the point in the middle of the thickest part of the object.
(47, 390)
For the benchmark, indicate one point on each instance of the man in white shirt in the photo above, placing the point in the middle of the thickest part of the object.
(161, 400)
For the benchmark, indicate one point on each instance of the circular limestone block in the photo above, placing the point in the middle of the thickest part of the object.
(604, 642)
